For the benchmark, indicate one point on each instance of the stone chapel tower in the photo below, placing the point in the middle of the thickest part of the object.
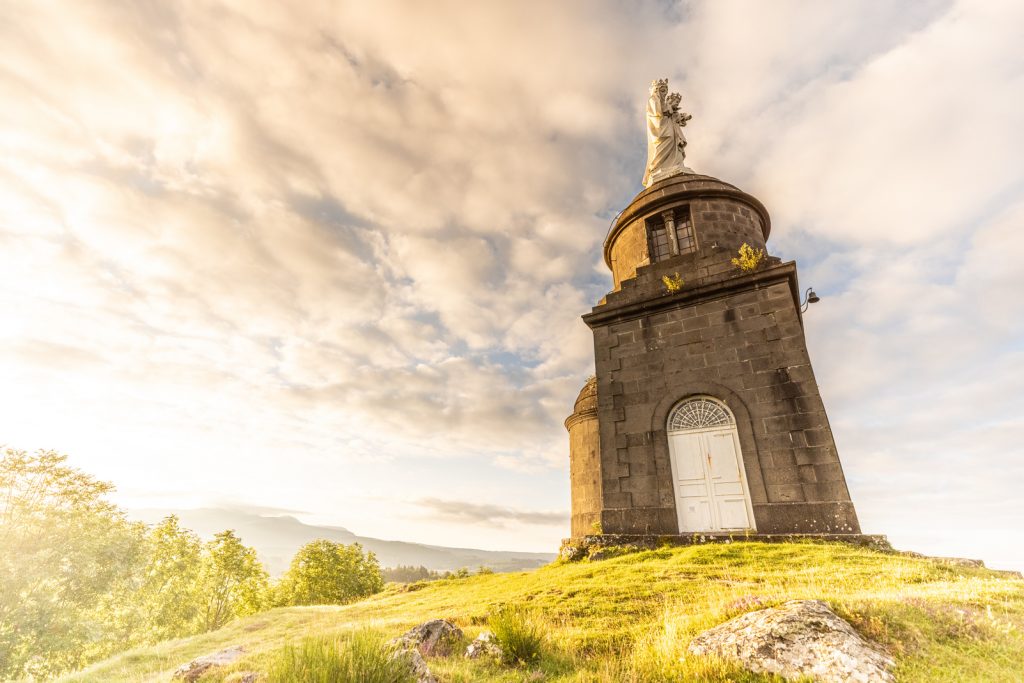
(704, 415)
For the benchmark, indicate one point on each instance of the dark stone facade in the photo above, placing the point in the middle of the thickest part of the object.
(731, 335)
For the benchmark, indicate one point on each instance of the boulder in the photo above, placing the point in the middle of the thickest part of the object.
(244, 677)
(798, 638)
(483, 645)
(414, 660)
(431, 638)
(197, 667)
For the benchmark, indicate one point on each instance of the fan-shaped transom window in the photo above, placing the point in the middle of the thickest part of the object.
(699, 413)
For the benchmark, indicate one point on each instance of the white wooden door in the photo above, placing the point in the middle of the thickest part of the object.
(711, 491)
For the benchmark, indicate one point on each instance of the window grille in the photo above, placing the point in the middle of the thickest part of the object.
(684, 231)
(698, 414)
(660, 247)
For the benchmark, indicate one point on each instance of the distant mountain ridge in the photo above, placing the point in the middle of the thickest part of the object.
(277, 537)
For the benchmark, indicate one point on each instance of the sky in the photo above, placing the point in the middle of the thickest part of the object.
(331, 258)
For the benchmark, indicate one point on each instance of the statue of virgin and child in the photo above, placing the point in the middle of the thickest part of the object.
(666, 144)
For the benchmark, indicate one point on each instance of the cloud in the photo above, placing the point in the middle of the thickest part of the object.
(489, 515)
(282, 255)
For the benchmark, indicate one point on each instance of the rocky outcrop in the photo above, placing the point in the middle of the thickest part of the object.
(199, 666)
(798, 638)
(432, 638)
(244, 677)
(412, 659)
(483, 645)
(436, 637)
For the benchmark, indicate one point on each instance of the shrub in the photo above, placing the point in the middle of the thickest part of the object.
(327, 573)
(519, 636)
(672, 283)
(748, 260)
(359, 657)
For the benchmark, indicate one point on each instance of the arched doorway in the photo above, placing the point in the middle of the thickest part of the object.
(707, 470)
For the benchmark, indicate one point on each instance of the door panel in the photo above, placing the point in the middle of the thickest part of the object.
(696, 515)
(733, 513)
(689, 458)
(710, 490)
(728, 488)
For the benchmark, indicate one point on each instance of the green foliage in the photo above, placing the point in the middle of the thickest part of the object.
(170, 596)
(404, 574)
(518, 634)
(748, 260)
(672, 283)
(67, 559)
(328, 573)
(360, 657)
(232, 581)
(631, 618)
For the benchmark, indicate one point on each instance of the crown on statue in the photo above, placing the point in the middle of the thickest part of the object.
(660, 83)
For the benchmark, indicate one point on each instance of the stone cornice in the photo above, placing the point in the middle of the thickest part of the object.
(615, 312)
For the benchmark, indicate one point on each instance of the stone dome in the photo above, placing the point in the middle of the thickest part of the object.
(586, 403)
(710, 219)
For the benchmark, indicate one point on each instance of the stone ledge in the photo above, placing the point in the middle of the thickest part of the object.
(601, 546)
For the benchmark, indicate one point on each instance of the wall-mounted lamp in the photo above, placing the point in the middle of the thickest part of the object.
(809, 298)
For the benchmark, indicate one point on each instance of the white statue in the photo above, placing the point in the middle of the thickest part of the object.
(666, 144)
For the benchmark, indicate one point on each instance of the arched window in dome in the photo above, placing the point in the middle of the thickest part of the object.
(699, 413)
(670, 233)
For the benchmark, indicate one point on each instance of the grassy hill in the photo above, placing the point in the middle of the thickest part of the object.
(631, 617)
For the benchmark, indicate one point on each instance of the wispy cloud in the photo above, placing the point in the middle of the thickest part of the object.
(489, 515)
(303, 257)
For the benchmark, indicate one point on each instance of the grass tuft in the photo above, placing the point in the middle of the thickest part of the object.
(518, 634)
(359, 657)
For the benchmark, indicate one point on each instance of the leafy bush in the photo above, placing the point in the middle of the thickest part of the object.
(359, 657)
(328, 573)
(748, 260)
(518, 634)
(672, 283)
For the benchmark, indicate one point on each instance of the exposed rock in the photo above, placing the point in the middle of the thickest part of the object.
(799, 638)
(243, 677)
(434, 637)
(197, 667)
(414, 660)
(483, 645)
(571, 551)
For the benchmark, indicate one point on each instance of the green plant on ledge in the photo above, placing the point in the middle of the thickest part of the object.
(748, 260)
(673, 284)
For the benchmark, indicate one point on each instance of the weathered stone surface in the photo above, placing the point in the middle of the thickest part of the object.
(434, 637)
(799, 638)
(735, 336)
(199, 666)
(244, 677)
(483, 645)
(412, 658)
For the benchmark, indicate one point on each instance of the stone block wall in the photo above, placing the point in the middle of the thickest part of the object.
(738, 338)
(722, 217)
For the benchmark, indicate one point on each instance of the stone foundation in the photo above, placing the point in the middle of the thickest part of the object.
(599, 546)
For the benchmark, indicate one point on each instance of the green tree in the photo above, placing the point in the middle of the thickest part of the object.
(327, 573)
(232, 581)
(68, 557)
(169, 596)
